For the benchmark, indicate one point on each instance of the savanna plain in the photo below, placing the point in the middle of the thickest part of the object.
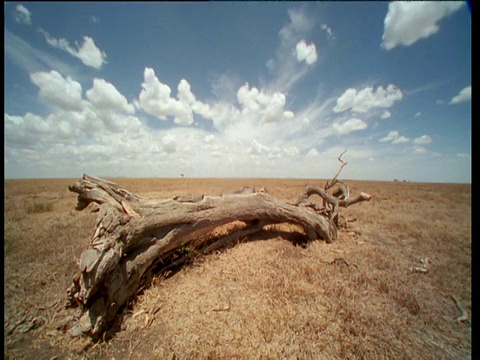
(384, 289)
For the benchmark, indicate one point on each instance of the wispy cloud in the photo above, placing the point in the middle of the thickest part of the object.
(427, 87)
(246, 128)
(329, 31)
(95, 19)
(31, 59)
(287, 67)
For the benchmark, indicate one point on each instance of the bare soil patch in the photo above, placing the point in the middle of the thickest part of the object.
(359, 297)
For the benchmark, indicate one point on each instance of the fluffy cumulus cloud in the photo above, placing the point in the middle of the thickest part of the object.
(57, 90)
(105, 96)
(307, 53)
(73, 119)
(169, 143)
(409, 21)
(424, 139)
(22, 15)
(155, 99)
(250, 132)
(270, 108)
(395, 138)
(464, 95)
(88, 53)
(24, 130)
(386, 114)
(349, 126)
(401, 140)
(257, 148)
(292, 151)
(68, 127)
(419, 149)
(366, 99)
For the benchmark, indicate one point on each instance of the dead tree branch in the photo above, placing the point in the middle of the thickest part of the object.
(135, 238)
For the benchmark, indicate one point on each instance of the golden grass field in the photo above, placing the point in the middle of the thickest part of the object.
(265, 298)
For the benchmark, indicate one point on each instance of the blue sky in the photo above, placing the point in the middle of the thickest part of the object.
(238, 89)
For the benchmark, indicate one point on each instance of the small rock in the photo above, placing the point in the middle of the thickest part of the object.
(75, 331)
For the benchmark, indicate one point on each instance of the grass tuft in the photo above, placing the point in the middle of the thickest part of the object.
(37, 208)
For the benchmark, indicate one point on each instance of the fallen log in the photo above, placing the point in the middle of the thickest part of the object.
(135, 238)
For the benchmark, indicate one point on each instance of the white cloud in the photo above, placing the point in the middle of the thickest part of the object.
(275, 152)
(299, 23)
(257, 148)
(463, 155)
(155, 100)
(464, 95)
(88, 53)
(328, 30)
(285, 66)
(169, 143)
(23, 15)
(401, 140)
(307, 53)
(185, 94)
(105, 96)
(57, 90)
(367, 99)
(74, 119)
(419, 149)
(270, 108)
(392, 135)
(418, 114)
(252, 120)
(386, 114)
(424, 139)
(292, 151)
(24, 130)
(209, 138)
(349, 126)
(31, 59)
(409, 21)
(313, 153)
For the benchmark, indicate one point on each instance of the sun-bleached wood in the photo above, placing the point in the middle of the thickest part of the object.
(135, 237)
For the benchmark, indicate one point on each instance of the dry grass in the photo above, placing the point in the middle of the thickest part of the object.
(264, 298)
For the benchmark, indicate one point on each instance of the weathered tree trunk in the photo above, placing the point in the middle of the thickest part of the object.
(135, 237)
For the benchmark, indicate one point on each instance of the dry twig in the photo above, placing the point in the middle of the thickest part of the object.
(464, 315)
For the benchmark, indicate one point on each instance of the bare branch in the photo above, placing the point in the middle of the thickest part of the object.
(332, 183)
